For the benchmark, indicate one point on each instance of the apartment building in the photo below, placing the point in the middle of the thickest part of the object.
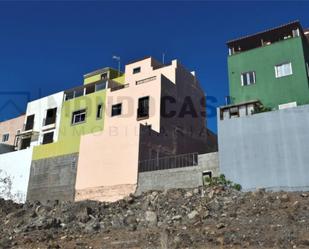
(268, 68)
(262, 129)
(9, 131)
(92, 141)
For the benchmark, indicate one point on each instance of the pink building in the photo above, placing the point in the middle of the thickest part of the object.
(158, 112)
(9, 129)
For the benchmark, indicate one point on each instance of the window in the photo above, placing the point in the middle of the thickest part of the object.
(29, 123)
(248, 78)
(284, 69)
(50, 116)
(100, 86)
(25, 143)
(5, 137)
(99, 111)
(143, 108)
(136, 70)
(104, 76)
(116, 110)
(79, 116)
(48, 138)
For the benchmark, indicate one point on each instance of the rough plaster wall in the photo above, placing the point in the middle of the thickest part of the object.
(53, 179)
(188, 177)
(105, 193)
(16, 165)
(268, 150)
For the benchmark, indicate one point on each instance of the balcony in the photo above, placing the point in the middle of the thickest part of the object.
(85, 90)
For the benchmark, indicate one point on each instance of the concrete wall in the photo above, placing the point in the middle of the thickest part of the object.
(5, 148)
(53, 179)
(266, 150)
(16, 165)
(187, 177)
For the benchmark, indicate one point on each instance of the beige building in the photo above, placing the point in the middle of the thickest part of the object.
(158, 112)
(9, 129)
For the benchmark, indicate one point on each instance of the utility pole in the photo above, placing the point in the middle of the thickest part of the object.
(117, 58)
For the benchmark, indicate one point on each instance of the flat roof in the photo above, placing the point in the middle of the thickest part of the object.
(268, 34)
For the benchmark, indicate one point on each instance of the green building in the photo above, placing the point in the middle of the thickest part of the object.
(270, 67)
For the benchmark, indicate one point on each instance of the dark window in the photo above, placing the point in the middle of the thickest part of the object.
(90, 89)
(79, 93)
(136, 70)
(69, 95)
(25, 143)
(5, 137)
(99, 111)
(116, 110)
(143, 107)
(100, 86)
(79, 116)
(29, 123)
(51, 115)
(104, 76)
(48, 138)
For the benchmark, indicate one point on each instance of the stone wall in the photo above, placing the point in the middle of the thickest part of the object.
(187, 177)
(266, 150)
(53, 178)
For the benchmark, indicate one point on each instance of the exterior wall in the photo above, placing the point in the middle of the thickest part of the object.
(110, 158)
(188, 177)
(271, 91)
(11, 127)
(53, 179)
(5, 148)
(97, 76)
(16, 165)
(69, 135)
(39, 108)
(266, 150)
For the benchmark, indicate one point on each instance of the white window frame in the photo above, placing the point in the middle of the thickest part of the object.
(247, 75)
(280, 74)
(7, 136)
(79, 114)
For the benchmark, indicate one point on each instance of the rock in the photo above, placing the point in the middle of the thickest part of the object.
(284, 198)
(188, 194)
(220, 226)
(151, 218)
(193, 214)
(304, 195)
(177, 217)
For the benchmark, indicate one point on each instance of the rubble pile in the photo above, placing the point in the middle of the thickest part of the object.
(206, 217)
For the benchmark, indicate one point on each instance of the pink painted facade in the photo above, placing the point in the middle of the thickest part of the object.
(11, 128)
(108, 160)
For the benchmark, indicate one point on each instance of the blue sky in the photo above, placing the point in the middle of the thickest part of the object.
(46, 47)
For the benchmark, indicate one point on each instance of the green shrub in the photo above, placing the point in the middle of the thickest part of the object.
(221, 181)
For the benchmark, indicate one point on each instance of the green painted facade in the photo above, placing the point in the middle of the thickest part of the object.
(271, 91)
(69, 135)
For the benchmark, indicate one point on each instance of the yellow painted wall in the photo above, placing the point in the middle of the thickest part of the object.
(69, 135)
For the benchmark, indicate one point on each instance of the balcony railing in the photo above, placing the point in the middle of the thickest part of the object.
(178, 161)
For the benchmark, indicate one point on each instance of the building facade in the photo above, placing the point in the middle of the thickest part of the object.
(262, 130)
(270, 66)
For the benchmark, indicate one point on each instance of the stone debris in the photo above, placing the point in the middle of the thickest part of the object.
(206, 217)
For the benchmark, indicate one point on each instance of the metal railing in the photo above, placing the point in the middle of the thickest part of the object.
(178, 161)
